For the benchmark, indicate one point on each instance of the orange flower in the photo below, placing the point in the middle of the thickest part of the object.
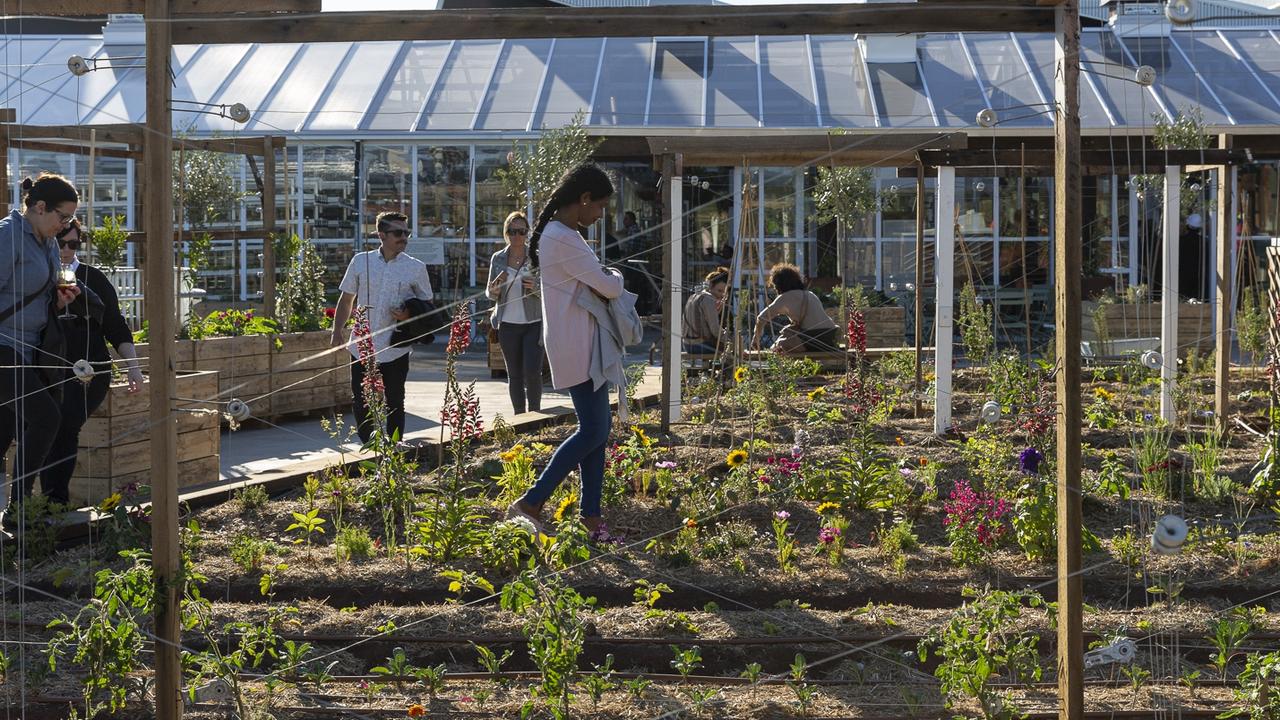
(924, 461)
(690, 523)
(898, 440)
(416, 710)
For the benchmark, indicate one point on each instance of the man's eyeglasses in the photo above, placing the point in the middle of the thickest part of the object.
(397, 232)
(73, 244)
(517, 231)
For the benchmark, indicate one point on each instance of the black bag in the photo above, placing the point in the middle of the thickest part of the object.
(425, 319)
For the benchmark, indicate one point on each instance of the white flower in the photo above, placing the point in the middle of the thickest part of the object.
(524, 523)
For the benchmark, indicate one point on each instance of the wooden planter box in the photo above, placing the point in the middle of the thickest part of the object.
(1142, 320)
(273, 381)
(886, 326)
(115, 443)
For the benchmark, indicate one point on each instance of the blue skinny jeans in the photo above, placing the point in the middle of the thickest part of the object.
(584, 449)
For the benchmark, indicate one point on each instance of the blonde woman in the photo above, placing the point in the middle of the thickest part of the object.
(517, 314)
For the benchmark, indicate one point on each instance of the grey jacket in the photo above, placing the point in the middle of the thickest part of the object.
(28, 264)
(531, 300)
(617, 326)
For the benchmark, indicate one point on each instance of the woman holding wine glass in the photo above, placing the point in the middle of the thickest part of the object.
(87, 337)
(517, 315)
(29, 299)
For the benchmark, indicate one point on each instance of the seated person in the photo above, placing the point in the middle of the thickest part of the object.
(705, 320)
(811, 329)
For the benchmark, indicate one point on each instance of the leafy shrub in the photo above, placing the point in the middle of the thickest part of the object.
(249, 552)
(252, 498)
(974, 323)
(352, 543)
(975, 522)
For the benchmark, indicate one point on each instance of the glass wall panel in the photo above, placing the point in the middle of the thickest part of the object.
(461, 86)
(779, 202)
(329, 205)
(403, 101)
(898, 267)
(951, 80)
(1236, 88)
(786, 83)
(492, 204)
(444, 210)
(708, 219)
(1036, 198)
(110, 188)
(570, 80)
(733, 97)
(515, 85)
(842, 87)
(388, 184)
(634, 234)
(898, 209)
(1259, 200)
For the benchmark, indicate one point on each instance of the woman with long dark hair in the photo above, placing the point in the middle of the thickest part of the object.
(28, 302)
(86, 338)
(517, 315)
(566, 264)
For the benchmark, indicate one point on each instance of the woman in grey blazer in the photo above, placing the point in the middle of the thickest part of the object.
(517, 314)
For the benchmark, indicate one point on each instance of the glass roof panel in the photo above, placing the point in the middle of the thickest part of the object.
(1102, 56)
(952, 84)
(403, 100)
(1260, 50)
(842, 85)
(571, 76)
(515, 85)
(199, 81)
(623, 86)
(900, 95)
(352, 89)
(37, 71)
(298, 88)
(1176, 80)
(786, 83)
(733, 98)
(1235, 86)
(1009, 83)
(111, 95)
(1039, 50)
(247, 86)
(462, 86)
(678, 93)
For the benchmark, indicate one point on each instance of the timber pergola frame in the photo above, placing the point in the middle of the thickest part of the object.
(246, 21)
(106, 141)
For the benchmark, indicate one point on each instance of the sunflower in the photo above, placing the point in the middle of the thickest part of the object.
(641, 437)
(110, 503)
(564, 507)
(740, 374)
(1102, 394)
(817, 393)
(736, 458)
(827, 506)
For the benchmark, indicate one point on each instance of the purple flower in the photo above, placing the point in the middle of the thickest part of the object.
(1029, 461)
(906, 472)
(828, 535)
(666, 465)
(781, 515)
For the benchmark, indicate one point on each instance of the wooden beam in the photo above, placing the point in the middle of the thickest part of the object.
(269, 224)
(235, 145)
(8, 115)
(1224, 294)
(672, 20)
(77, 149)
(73, 8)
(1155, 162)
(166, 555)
(122, 134)
(1067, 262)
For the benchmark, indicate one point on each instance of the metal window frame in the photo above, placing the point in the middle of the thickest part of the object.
(1195, 71)
(1160, 103)
(924, 85)
(595, 85)
(871, 88)
(289, 67)
(1240, 58)
(759, 84)
(385, 86)
(542, 86)
(813, 79)
(653, 70)
(973, 68)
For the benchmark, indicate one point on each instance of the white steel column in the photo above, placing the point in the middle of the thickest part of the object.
(673, 262)
(1169, 293)
(944, 284)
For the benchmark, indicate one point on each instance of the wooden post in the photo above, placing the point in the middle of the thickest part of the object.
(1067, 229)
(672, 309)
(158, 150)
(269, 223)
(919, 285)
(88, 202)
(1225, 292)
(944, 234)
(1169, 294)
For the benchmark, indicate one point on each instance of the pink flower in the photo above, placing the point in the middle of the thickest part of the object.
(828, 535)
(666, 465)
(781, 515)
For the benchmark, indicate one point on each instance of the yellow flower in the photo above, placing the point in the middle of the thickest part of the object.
(817, 393)
(740, 374)
(512, 455)
(644, 440)
(824, 507)
(565, 504)
(736, 458)
(110, 503)
(1102, 394)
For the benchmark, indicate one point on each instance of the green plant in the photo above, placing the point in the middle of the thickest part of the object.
(555, 629)
(784, 543)
(597, 683)
(1206, 458)
(252, 498)
(1258, 695)
(249, 552)
(1251, 324)
(533, 170)
(973, 319)
(1110, 479)
(1137, 675)
(1190, 679)
(352, 544)
(396, 667)
(517, 474)
(310, 488)
(431, 679)
(1151, 454)
(636, 687)
(307, 524)
(981, 644)
(300, 304)
(1229, 631)
(228, 323)
(109, 241)
(896, 541)
(492, 662)
(1128, 548)
(686, 661)
(804, 692)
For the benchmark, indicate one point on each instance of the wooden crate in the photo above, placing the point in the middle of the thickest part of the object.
(1142, 320)
(308, 375)
(115, 443)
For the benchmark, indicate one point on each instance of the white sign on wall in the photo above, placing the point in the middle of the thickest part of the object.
(429, 250)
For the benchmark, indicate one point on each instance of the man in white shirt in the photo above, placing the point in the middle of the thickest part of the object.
(381, 280)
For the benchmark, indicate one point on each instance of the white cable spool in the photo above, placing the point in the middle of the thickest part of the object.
(238, 113)
(1152, 360)
(77, 65)
(1169, 534)
(238, 410)
(83, 370)
(1145, 76)
(1180, 12)
(990, 412)
(987, 118)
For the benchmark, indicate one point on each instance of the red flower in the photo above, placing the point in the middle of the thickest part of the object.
(330, 313)
(460, 331)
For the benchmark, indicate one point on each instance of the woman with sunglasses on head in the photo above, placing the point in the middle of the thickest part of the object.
(566, 264)
(517, 315)
(86, 338)
(30, 296)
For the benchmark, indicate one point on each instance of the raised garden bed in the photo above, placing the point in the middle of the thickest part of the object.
(1142, 320)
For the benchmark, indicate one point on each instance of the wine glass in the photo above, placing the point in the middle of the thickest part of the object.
(66, 280)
